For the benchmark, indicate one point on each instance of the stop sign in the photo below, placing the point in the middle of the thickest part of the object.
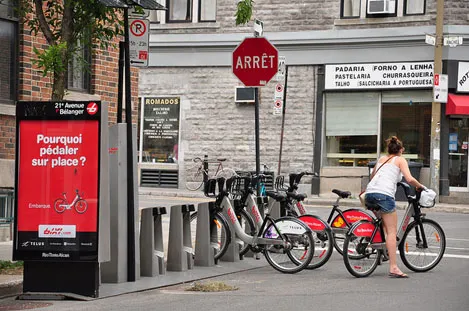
(255, 61)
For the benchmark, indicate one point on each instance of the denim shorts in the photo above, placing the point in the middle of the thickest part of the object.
(382, 202)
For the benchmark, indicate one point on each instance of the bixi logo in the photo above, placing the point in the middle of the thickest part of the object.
(57, 231)
(92, 108)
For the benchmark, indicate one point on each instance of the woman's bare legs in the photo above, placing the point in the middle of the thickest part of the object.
(390, 228)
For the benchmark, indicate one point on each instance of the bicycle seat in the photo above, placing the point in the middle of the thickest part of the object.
(276, 196)
(221, 159)
(297, 196)
(342, 194)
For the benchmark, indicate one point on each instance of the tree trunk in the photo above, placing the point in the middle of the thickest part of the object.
(58, 87)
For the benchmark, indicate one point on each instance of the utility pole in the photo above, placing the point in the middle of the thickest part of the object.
(436, 107)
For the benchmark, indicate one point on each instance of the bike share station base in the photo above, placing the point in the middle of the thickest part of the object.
(96, 253)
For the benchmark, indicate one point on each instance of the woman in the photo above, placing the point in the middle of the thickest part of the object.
(380, 195)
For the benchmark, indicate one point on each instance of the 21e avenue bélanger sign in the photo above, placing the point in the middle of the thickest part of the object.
(255, 61)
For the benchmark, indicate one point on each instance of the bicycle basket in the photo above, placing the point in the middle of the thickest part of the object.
(427, 198)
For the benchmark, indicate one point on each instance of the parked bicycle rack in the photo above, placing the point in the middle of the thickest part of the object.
(151, 242)
(180, 251)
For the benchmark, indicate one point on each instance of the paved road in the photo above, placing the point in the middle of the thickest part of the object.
(330, 287)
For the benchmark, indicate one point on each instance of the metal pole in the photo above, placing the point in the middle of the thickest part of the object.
(436, 107)
(130, 157)
(283, 120)
(258, 160)
(120, 86)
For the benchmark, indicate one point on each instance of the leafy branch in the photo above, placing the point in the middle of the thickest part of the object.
(244, 12)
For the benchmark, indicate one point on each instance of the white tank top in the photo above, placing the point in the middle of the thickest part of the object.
(385, 181)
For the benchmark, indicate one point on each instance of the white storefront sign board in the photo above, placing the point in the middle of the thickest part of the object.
(379, 76)
(463, 77)
(440, 88)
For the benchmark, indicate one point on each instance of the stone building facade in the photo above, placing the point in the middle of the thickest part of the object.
(191, 59)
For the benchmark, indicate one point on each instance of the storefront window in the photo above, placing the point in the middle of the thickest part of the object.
(160, 129)
(410, 122)
(356, 123)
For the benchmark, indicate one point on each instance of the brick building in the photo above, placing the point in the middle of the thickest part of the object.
(358, 71)
(21, 80)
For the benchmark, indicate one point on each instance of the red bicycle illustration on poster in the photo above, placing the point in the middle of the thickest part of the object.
(80, 205)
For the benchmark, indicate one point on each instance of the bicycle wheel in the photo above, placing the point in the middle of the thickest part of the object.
(296, 252)
(360, 258)
(322, 237)
(352, 215)
(249, 227)
(220, 234)
(414, 254)
(195, 176)
(339, 239)
(59, 205)
(81, 206)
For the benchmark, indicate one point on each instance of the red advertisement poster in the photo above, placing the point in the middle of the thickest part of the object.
(57, 181)
(58, 175)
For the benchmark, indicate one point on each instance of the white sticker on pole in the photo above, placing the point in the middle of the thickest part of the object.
(278, 106)
(278, 91)
(440, 88)
(281, 69)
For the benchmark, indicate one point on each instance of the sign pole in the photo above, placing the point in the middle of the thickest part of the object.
(283, 120)
(256, 116)
(436, 106)
(130, 156)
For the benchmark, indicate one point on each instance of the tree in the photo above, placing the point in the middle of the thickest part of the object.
(68, 26)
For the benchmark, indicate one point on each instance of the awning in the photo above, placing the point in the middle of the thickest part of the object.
(457, 105)
(146, 4)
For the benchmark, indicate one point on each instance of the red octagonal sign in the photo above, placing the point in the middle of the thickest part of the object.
(255, 61)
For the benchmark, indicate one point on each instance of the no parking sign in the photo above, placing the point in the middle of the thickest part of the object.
(139, 30)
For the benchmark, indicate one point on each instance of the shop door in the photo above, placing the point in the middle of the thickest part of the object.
(458, 154)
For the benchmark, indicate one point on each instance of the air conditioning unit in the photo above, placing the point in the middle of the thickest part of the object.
(381, 7)
(244, 95)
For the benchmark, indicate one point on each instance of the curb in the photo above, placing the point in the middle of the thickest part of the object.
(315, 201)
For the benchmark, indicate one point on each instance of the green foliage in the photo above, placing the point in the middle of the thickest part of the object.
(50, 59)
(6, 265)
(244, 12)
(67, 25)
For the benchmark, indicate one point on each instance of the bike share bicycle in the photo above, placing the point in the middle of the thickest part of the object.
(288, 198)
(421, 243)
(286, 242)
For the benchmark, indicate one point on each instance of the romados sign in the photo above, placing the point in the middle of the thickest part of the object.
(255, 61)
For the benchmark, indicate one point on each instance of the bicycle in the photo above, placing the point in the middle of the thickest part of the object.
(80, 205)
(365, 243)
(322, 232)
(286, 242)
(195, 173)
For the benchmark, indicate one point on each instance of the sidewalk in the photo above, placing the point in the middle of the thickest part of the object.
(11, 284)
(310, 200)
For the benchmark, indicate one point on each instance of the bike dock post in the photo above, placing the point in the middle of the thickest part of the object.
(232, 251)
(151, 242)
(275, 211)
(204, 251)
(180, 251)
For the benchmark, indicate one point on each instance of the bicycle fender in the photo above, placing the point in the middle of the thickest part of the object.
(365, 228)
(351, 215)
(314, 222)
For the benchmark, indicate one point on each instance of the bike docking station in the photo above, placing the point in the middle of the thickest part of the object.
(180, 251)
(151, 242)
